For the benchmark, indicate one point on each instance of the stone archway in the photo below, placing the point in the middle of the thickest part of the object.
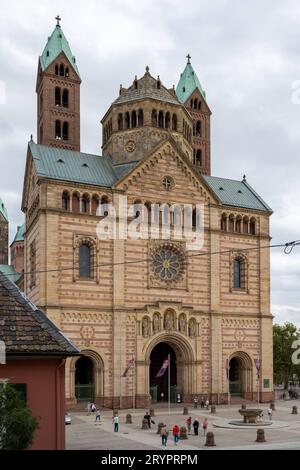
(188, 370)
(241, 375)
(85, 379)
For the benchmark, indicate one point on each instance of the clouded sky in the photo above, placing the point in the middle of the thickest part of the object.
(246, 55)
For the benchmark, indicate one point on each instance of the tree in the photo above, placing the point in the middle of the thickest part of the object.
(17, 424)
(283, 338)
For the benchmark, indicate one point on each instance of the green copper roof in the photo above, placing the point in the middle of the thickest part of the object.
(20, 233)
(3, 210)
(236, 193)
(56, 44)
(10, 272)
(188, 83)
(68, 165)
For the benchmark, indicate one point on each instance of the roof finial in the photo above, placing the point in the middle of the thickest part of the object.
(244, 178)
(147, 69)
(188, 58)
(58, 19)
(31, 138)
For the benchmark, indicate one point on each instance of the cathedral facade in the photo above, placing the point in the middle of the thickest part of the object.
(129, 304)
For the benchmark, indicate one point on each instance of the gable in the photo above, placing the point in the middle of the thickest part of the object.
(167, 160)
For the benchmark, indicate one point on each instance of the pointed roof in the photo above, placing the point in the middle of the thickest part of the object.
(3, 210)
(20, 233)
(56, 44)
(147, 87)
(188, 83)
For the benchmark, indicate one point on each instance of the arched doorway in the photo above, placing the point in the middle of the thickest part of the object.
(84, 379)
(159, 385)
(240, 375)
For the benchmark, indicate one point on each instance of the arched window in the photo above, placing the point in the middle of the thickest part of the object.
(168, 120)
(161, 119)
(154, 118)
(198, 157)
(231, 223)
(192, 103)
(57, 130)
(65, 98)
(62, 70)
(67, 74)
(66, 131)
(120, 122)
(85, 261)
(238, 224)
(104, 202)
(127, 121)
(245, 225)
(57, 96)
(195, 103)
(239, 273)
(56, 69)
(65, 201)
(133, 119)
(85, 204)
(140, 118)
(194, 219)
(75, 203)
(198, 129)
(252, 226)
(224, 222)
(174, 122)
(95, 204)
(199, 105)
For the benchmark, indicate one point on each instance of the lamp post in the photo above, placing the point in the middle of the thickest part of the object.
(228, 378)
(257, 363)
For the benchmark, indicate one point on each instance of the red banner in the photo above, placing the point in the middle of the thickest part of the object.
(163, 369)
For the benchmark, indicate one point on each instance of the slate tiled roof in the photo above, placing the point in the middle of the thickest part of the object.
(3, 210)
(56, 44)
(25, 329)
(236, 193)
(147, 88)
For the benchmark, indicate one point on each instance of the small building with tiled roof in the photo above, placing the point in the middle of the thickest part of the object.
(35, 351)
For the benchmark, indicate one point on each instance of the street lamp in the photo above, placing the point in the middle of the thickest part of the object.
(228, 378)
(257, 363)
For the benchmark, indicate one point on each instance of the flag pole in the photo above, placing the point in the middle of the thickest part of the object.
(169, 384)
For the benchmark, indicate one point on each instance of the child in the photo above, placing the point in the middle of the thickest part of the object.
(176, 434)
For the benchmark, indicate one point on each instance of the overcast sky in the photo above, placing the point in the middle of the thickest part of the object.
(246, 55)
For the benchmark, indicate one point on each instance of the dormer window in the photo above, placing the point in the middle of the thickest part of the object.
(48, 54)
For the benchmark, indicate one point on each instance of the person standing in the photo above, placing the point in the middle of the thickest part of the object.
(207, 404)
(195, 402)
(98, 415)
(164, 435)
(116, 423)
(89, 408)
(205, 426)
(202, 403)
(176, 434)
(270, 411)
(189, 423)
(196, 426)
(93, 407)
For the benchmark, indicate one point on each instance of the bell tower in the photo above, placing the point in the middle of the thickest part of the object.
(58, 94)
(192, 95)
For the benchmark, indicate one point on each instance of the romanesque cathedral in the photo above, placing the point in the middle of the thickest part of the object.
(139, 301)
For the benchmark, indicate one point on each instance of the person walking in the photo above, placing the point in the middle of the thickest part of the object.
(196, 426)
(176, 434)
(195, 402)
(164, 435)
(189, 423)
(205, 426)
(270, 411)
(116, 423)
(98, 415)
(148, 418)
(202, 403)
(93, 407)
(207, 404)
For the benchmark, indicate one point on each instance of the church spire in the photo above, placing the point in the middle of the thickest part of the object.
(188, 82)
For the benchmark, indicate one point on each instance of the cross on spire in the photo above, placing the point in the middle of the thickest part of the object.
(58, 19)
(188, 58)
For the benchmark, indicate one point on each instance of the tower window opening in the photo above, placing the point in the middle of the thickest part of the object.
(120, 122)
(65, 131)
(65, 98)
(57, 130)
(161, 119)
(154, 118)
(127, 121)
(198, 129)
(140, 118)
(62, 70)
(133, 119)
(174, 122)
(57, 96)
(56, 69)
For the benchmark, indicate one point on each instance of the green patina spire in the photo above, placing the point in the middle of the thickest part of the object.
(3, 210)
(56, 44)
(188, 82)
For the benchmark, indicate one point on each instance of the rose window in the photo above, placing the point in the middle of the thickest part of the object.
(168, 263)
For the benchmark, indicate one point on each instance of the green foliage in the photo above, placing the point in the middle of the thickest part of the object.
(283, 338)
(17, 424)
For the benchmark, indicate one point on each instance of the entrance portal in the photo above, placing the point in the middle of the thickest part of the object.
(159, 385)
(235, 377)
(84, 379)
